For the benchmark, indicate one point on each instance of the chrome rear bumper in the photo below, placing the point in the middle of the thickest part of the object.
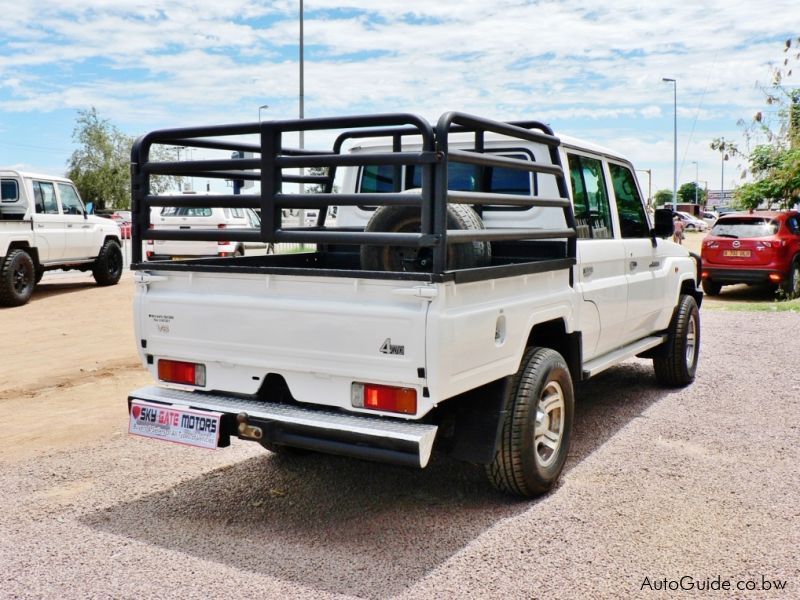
(360, 436)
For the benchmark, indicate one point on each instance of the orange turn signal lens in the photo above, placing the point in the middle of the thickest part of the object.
(384, 397)
(775, 277)
(175, 371)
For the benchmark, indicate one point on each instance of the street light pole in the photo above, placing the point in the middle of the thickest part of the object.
(696, 177)
(722, 175)
(649, 185)
(674, 141)
(260, 108)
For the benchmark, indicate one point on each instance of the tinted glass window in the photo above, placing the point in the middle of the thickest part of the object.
(460, 177)
(632, 220)
(745, 227)
(377, 179)
(185, 211)
(10, 192)
(44, 195)
(793, 223)
(592, 212)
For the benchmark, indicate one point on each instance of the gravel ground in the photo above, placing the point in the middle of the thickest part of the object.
(699, 482)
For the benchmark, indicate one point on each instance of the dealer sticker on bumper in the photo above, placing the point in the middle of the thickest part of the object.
(172, 424)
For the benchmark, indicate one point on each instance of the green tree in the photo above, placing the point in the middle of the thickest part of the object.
(100, 167)
(774, 162)
(686, 194)
(662, 197)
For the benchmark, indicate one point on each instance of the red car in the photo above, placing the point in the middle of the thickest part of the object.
(757, 247)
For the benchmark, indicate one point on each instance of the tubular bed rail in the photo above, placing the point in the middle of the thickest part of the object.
(270, 158)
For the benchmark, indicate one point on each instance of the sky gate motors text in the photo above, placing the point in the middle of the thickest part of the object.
(173, 418)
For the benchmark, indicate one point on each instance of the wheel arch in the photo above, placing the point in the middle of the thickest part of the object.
(23, 245)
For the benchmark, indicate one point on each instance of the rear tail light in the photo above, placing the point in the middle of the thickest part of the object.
(775, 277)
(222, 243)
(176, 371)
(384, 397)
(704, 275)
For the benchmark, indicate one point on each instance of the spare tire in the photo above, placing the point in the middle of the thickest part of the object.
(406, 219)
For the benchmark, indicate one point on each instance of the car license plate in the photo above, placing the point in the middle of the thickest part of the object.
(173, 424)
(739, 253)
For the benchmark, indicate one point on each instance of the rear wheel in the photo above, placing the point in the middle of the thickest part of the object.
(711, 288)
(107, 267)
(535, 435)
(17, 278)
(406, 219)
(791, 286)
(676, 362)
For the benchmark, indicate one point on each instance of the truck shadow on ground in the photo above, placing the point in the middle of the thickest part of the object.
(44, 290)
(353, 527)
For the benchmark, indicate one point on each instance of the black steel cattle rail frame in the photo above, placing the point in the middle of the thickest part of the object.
(268, 168)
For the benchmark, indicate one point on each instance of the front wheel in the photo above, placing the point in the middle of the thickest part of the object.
(535, 435)
(17, 278)
(676, 362)
(107, 268)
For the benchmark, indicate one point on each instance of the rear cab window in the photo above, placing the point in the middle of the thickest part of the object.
(9, 190)
(461, 177)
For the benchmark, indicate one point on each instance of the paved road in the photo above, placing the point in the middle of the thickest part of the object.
(660, 484)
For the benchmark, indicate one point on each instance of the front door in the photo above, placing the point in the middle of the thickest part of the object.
(645, 264)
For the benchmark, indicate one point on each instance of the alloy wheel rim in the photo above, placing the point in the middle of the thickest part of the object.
(549, 431)
(691, 342)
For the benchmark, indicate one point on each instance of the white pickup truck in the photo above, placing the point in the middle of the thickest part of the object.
(477, 271)
(43, 226)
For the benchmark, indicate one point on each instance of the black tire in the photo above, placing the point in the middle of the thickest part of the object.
(107, 268)
(675, 363)
(790, 288)
(711, 288)
(17, 278)
(406, 219)
(524, 465)
(239, 251)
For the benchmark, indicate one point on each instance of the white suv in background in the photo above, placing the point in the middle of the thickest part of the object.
(200, 218)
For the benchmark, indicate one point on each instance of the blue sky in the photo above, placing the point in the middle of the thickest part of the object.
(591, 69)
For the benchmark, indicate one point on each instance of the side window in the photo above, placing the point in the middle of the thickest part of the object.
(253, 219)
(70, 201)
(590, 195)
(9, 190)
(793, 223)
(237, 213)
(632, 219)
(377, 179)
(44, 195)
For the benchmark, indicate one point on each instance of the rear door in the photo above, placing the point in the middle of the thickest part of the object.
(48, 222)
(601, 275)
(187, 219)
(742, 241)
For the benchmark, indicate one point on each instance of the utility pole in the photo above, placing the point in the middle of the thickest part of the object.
(674, 141)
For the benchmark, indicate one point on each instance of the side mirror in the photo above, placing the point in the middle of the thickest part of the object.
(663, 225)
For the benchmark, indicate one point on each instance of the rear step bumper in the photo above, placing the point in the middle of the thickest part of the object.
(359, 436)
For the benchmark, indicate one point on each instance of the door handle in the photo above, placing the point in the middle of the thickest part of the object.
(587, 271)
(655, 264)
(69, 225)
(633, 264)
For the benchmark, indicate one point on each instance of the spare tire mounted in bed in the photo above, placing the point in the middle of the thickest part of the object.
(406, 219)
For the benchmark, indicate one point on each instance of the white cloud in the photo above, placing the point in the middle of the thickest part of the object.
(147, 64)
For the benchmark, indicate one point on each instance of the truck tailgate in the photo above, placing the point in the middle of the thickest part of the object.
(319, 333)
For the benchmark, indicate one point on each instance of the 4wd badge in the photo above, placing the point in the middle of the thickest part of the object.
(389, 348)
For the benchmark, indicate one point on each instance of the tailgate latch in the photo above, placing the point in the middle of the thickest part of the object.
(421, 291)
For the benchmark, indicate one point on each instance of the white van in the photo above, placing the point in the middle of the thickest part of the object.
(200, 218)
